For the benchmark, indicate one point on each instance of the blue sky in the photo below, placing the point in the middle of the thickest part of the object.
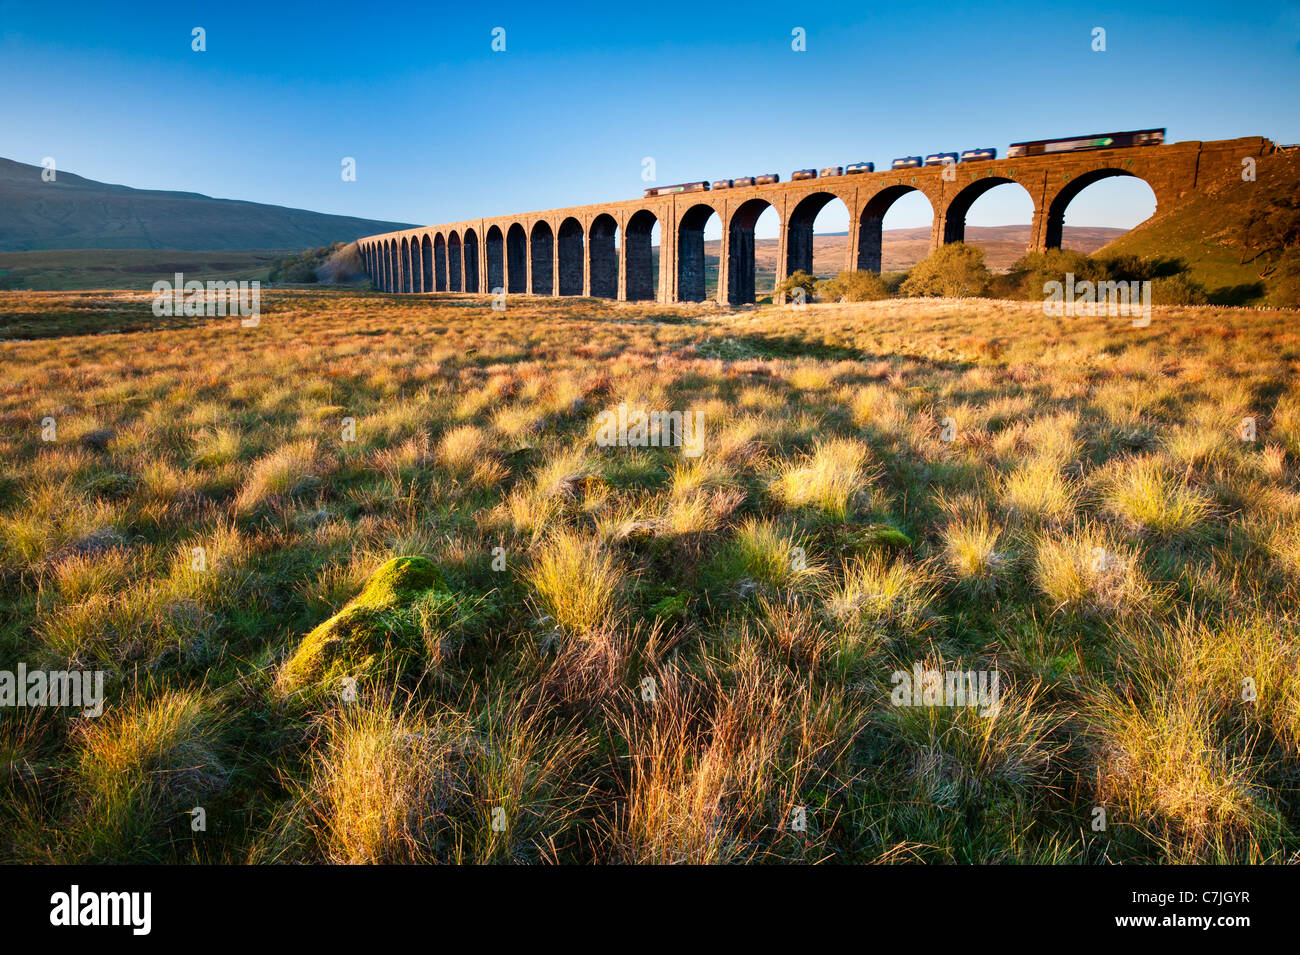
(442, 128)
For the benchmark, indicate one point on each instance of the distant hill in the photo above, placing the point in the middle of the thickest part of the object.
(73, 212)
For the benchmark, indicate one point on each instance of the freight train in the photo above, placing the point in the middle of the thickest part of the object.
(1038, 147)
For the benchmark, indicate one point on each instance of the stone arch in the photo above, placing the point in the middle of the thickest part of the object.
(471, 260)
(690, 252)
(954, 217)
(541, 247)
(417, 265)
(454, 272)
(602, 256)
(426, 261)
(800, 230)
(395, 264)
(517, 259)
(494, 245)
(570, 252)
(440, 262)
(638, 256)
(1054, 227)
(406, 265)
(871, 224)
(740, 251)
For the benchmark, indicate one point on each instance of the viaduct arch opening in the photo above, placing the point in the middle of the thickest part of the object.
(1121, 190)
(1020, 207)
(426, 259)
(453, 263)
(471, 260)
(692, 283)
(639, 256)
(570, 249)
(541, 246)
(800, 244)
(517, 259)
(742, 261)
(871, 222)
(440, 262)
(602, 256)
(494, 245)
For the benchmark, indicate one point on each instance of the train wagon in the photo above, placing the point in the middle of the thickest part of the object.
(799, 174)
(940, 159)
(855, 167)
(723, 183)
(1042, 147)
(828, 171)
(907, 162)
(978, 155)
(743, 181)
(680, 187)
(767, 179)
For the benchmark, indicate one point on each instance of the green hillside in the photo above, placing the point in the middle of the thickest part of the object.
(73, 212)
(1205, 231)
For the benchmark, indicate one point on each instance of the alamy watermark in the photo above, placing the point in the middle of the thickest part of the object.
(946, 688)
(1098, 298)
(195, 299)
(655, 429)
(129, 909)
(80, 688)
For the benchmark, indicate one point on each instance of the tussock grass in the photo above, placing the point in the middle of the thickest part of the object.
(827, 481)
(1096, 531)
(138, 773)
(1153, 500)
(577, 581)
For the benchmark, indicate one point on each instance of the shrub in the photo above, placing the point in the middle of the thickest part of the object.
(853, 286)
(955, 270)
(1284, 283)
(1030, 273)
(1178, 289)
(301, 269)
(799, 280)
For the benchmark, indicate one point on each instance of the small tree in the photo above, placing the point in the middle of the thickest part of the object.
(955, 270)
(1269, 228)
(853, 286)
(798, 280)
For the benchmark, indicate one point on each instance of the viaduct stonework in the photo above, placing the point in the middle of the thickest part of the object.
(605, 250)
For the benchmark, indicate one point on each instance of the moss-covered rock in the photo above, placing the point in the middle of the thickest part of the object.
(866, 538)
(382, 629)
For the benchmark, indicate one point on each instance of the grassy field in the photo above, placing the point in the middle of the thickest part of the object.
(72, 269)
(367, 588)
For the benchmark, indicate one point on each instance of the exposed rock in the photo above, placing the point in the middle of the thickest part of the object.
(380, 629)
(98, 440)
(97, 542)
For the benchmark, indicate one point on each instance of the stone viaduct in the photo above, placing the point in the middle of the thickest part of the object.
(604, 250)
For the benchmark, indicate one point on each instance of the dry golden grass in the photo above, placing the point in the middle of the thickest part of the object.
(1068, 503)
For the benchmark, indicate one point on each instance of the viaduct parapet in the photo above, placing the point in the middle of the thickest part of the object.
(604, 250)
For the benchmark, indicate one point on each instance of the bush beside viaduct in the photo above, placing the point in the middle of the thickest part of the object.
(604, 250)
